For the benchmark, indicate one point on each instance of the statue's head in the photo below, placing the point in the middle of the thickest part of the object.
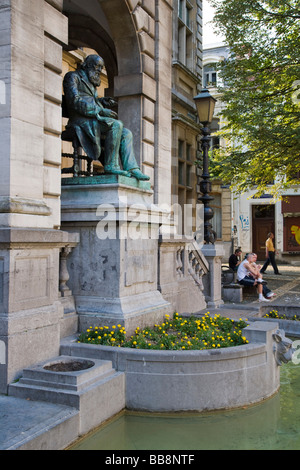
(93, 65)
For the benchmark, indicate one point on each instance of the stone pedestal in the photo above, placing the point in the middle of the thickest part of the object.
(232, 293)
(213, 280)
(113, 270)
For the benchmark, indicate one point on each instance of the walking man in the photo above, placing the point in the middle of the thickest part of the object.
(270, 255)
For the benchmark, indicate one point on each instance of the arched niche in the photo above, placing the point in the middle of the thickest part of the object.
(107, 27)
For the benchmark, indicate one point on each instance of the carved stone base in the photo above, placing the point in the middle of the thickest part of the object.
(113, 270)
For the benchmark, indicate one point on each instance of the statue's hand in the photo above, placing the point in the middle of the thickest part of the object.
(109, 113)
(105, 121)
(108, 102)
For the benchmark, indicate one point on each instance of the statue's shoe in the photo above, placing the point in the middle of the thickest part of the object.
(116, 171)
(139, 175)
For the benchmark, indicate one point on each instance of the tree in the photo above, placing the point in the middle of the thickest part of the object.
(262, 84)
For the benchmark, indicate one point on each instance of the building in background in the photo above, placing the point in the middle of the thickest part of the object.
(186, 82)
(241, 220)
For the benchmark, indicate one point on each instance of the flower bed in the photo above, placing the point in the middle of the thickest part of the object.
(277, 316)
(177, 333)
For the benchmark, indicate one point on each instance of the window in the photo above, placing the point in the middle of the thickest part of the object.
(181, 179)
(216, 221)
(185, 33)
(184, 164)
(210, 75)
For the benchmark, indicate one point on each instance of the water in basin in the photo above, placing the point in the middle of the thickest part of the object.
(271, 425)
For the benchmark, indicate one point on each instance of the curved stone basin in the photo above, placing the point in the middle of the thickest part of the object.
(168, 381)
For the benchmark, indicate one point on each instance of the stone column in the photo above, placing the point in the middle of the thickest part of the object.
(212, 281)
(163, 109)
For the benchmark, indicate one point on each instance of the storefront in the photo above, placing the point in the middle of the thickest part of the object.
(290, 207)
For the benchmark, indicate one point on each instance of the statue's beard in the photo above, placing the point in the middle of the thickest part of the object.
(94, 78)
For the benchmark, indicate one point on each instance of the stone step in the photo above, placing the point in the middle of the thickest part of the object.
(61, 387)
(97, 393)
(38, 376)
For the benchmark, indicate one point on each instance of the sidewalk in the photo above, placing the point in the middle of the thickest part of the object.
(28, 425)
(286, 288)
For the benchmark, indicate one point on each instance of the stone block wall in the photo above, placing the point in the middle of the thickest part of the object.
(32, 33)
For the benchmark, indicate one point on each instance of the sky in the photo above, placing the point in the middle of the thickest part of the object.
(209, 36)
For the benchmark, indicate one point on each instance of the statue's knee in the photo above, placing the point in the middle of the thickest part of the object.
(118, 125)
(127, 133)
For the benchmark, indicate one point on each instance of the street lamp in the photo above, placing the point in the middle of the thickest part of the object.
(205, 104)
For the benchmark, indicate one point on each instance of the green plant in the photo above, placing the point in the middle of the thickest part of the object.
(177, 333)
(274, 314)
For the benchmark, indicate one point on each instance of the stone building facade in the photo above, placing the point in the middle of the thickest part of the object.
(151, 50)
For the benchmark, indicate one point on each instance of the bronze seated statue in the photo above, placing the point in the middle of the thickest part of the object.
(94, 126)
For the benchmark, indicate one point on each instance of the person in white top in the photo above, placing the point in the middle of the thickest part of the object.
(247, 275)
(266, 291)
